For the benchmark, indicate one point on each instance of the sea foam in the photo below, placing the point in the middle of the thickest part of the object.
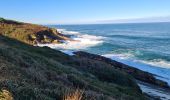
(80, 41)
(159, 67)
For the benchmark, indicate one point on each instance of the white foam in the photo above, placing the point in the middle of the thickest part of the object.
(64, 31)
(80, 41)
(60, 30)
(155, 91)
(159, 62)
(129, 56)
(69, 52)
(120, 56)
(83, 41)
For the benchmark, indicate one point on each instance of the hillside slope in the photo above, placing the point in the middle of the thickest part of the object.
(34, 73)
(40, 73)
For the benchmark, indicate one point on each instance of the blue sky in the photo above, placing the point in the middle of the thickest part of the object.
(81, 11)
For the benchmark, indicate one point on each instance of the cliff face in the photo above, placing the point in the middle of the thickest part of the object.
(34, 73)
(30, 33)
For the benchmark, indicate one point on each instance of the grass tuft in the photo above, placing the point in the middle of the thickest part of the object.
(5, 95)
(75, 95)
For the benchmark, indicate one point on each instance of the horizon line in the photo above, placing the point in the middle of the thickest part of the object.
(157, 19)
(107, 23)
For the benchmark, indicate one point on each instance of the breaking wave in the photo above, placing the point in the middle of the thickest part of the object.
(80, 41)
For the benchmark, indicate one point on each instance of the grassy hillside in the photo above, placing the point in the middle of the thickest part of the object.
(34, 73)
(29, 33)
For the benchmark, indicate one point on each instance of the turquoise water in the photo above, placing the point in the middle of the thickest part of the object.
(145, 46)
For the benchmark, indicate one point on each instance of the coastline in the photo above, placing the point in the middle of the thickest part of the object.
(156, 71)
(152, 90)
(100, 64)
(149, 80)
(155, 83)
(160, 73)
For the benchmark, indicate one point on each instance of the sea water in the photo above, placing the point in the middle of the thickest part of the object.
(142, 45)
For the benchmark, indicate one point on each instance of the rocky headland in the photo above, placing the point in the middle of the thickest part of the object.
(30, 33)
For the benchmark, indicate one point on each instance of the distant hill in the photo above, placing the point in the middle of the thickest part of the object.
(30, 33)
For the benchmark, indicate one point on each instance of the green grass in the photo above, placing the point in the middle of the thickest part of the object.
(32, 73)
(42, 73)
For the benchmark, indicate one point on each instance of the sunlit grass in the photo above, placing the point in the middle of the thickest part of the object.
(75, 95)
(5, 95)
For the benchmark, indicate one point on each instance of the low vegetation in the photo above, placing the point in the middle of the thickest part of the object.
(41, 73)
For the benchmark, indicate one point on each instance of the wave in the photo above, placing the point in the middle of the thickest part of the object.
(160, 68)
(154, 91)
(158, 38)
(158, 62)
(68, 52)
(64, 31)
(130, 56)
(81, 41)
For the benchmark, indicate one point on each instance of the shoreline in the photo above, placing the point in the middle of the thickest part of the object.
(154, 91)
(156, 71)
(110, 61)
(154, 83)
(151, 90)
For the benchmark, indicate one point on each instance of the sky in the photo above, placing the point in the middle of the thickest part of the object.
(83, 11)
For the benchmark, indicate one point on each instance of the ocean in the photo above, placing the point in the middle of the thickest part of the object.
(142, 45)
